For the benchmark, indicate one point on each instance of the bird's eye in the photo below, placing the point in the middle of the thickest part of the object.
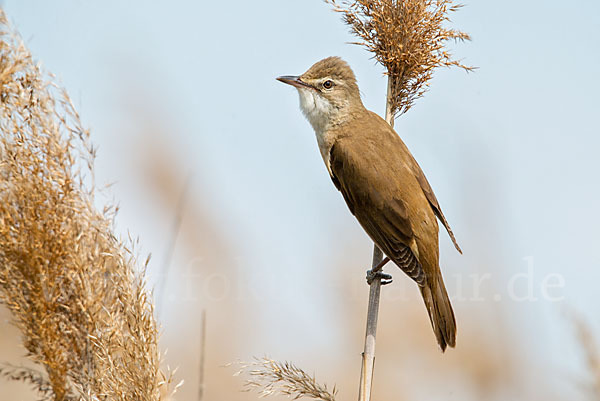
(328, 84)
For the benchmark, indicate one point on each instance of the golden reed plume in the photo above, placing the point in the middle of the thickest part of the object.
(74, 290)
(271, 377)
(408, 38)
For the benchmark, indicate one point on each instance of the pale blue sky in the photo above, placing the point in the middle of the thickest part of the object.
(511, 150)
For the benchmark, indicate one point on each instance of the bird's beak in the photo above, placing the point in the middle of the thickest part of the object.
(294, 81)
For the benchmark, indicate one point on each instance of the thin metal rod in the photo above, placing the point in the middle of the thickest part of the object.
(368, 356)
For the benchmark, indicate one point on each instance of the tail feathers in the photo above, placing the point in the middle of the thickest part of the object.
(440, 312)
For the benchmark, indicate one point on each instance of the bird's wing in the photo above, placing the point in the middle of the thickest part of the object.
(434, 202)
(385, 219)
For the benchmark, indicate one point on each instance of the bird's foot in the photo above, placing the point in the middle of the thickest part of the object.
(372, 275)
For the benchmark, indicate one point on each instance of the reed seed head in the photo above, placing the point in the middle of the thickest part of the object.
(408, 37)
(271, 377)
(75, 291)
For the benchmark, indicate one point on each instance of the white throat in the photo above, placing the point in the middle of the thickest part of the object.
(316, 108)
(319, 112)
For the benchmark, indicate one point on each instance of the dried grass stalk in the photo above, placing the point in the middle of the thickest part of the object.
(270, 377)
(73, 288)
(592, 354)
(408, 38)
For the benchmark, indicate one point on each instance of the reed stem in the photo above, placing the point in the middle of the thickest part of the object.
(368, 356)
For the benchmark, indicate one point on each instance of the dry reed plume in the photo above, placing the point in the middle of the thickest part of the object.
(74, 290)
(270, 377)
(408, 38)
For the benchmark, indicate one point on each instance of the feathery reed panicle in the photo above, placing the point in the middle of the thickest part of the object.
(271, 377)
(74, 290)
(408, 38)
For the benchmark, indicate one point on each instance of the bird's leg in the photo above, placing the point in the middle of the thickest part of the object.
(377, 272)
(383, 262)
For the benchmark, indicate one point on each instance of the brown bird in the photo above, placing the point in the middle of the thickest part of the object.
(383, 185)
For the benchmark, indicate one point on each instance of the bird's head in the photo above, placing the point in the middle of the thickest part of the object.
(328, 92)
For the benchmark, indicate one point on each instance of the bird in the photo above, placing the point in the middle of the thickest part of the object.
(381, 182)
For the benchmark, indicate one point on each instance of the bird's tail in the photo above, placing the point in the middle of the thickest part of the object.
(440, 312)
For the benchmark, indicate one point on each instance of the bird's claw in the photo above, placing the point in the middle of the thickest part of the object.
(385, 278)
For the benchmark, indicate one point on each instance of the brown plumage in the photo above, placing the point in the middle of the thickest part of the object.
(381, 182)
